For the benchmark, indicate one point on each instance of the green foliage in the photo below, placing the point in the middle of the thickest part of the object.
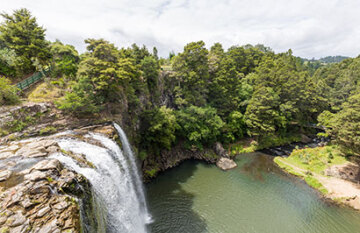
(246, 58)
(46, 92)
(8, 92)
(136, 53)
(150, 69)
(311, 162)
(80, 100)
(262, 117)
(316, 159)
(285, 96)
(16, 125)
(199, 125)
(142, 155)
(226, 89)
(246, 146)
(65, 59)
(107, 71)
(21, 121)
(313, 182)
(21, 33)
(192, 73)
(235, 127)
(337, 82)
(103, 76)
(8, 62)
(344, 126)
(152, 172)
(326, 119)
(47, 130)
(158, 129)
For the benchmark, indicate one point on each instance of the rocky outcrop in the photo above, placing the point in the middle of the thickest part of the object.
(226, 164)
(348, 171)
(220, 151)
(37, 193)
(179, 153)
(171, 158)
(38, 119)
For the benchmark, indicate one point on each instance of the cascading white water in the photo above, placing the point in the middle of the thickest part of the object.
(115, 179)
(138, 183)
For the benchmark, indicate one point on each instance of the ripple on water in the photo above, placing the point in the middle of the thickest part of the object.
(255, 197)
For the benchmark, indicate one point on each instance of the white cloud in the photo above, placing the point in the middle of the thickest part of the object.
(310, 28)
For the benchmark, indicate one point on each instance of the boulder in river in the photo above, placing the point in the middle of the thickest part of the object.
(226, 164)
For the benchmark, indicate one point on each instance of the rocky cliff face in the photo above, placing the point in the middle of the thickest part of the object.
(37, 192)
(38, 119)
(178, 153)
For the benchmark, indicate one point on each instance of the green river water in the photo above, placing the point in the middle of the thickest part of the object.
(255, 197)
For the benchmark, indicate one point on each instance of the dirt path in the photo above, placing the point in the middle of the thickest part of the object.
(342, 190)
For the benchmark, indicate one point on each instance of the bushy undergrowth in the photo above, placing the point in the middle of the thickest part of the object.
(8, 92)
(249, 145)
(316, 159)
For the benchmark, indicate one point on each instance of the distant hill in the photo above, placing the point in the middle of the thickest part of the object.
(314, 64)
(328, 59)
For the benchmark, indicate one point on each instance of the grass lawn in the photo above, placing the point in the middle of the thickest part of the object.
(316, 159)
(310, 162)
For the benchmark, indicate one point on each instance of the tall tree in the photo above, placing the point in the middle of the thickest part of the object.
(344, 126)
(150, 69)
(338, 81)
(106, 70)
(296, 102)
(262, 116)
(21, 33)
(192, 73)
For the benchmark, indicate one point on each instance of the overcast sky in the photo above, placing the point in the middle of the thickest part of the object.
(311, 28)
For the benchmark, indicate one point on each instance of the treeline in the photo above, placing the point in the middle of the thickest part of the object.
(328, 59)
(203, 95)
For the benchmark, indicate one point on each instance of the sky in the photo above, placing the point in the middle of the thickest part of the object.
(311, 28)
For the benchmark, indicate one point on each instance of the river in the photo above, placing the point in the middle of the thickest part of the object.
(255, 197)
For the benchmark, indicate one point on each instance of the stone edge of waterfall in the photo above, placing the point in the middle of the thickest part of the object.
(28, 171)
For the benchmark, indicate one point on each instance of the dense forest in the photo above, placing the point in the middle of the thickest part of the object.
(198, 97)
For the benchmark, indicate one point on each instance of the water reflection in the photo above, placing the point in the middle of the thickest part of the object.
(171, 206)
(255, 197)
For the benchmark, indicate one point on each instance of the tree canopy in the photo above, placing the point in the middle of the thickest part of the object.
(20, 33)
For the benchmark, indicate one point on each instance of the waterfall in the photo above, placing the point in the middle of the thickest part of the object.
(138, 183)
(115, 179)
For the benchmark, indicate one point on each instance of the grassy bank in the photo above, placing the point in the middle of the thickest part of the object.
(310, 163)
(249, 145)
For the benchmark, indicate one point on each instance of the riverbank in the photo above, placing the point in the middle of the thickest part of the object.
(198, 197)
(325, 169)
(274, 145)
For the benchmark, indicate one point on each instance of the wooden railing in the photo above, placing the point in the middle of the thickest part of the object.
(32, 79)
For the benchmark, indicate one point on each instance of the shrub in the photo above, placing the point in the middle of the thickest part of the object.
(80, 101)
(8, 92)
